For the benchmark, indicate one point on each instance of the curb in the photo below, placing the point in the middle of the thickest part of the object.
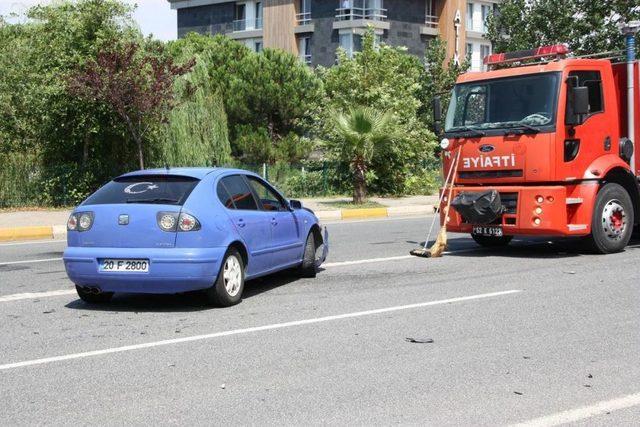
(396, 211)
(26, 233)
(60, 231)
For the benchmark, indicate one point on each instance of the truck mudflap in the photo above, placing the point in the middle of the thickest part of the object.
(479, 207)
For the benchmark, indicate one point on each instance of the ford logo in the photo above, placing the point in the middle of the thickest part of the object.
(486, 148)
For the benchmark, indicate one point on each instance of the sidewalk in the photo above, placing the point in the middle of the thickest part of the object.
(51, 224)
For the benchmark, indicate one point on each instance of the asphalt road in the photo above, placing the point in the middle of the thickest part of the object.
(536, 333)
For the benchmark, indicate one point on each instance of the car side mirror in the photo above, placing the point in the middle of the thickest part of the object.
(577, 105)
(295, 204)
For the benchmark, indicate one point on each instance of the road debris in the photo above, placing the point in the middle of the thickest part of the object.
(419, 340)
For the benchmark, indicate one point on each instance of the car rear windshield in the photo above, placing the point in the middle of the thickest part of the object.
(154, 189)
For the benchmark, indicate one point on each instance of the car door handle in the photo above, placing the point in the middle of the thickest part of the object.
(241, 223)
(274, 222)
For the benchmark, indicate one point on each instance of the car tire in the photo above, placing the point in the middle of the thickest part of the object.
(229, 285)
(93, 298)
(309, 267)
(491, 241)
(612, 220)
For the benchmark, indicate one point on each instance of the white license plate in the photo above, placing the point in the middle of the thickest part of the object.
(125, 265)
(487, 231)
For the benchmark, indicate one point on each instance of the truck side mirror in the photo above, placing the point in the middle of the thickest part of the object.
(577, 105)
(436, 106)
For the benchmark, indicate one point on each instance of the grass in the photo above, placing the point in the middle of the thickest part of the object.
(341, 204)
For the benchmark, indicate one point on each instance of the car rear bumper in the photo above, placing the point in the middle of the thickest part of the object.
(171, 270)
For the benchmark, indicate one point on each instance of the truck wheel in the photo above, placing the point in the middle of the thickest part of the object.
(612, 223)
(227, 289)
(491, 241)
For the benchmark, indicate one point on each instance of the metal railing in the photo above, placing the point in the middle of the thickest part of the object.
(303, 18)
(306, 59)
(431, 21)
(354, 13)
(247, 24)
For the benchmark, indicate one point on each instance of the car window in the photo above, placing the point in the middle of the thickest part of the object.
(150, 189)
(238, 195)
(269, 199)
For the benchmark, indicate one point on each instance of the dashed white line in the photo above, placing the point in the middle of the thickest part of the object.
(36, 295)
(578, 414)
(30, 261)
(250, 330)
(364, 261)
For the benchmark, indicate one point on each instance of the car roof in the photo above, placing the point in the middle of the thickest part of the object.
(198, 173)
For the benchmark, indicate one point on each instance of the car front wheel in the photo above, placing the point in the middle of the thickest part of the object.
(227, 289)
(309, 266)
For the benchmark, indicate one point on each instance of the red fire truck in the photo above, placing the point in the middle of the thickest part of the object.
(544, 147)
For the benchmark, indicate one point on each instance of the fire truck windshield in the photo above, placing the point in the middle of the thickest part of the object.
(527, 103)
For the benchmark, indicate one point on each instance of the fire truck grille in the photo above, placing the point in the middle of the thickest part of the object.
(516, 173)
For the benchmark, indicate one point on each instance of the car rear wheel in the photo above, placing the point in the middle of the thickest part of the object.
(228, 287)
(612, 222)
(93, 295)
(492, 241)
(309, 266)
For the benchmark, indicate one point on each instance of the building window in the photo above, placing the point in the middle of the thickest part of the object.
(240, 22)
(470, 16)
(485, 50)
(258, 24)
(361, 9)
(304, 15)
(469, 52)
(304, 49)
(486, 11)
(351, 43)
(257, 46)
(431, 19)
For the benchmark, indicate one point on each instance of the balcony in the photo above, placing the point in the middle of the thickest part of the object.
(350, 18)
(430, 27)
(303, 18)
(247, 24)
(360, 13)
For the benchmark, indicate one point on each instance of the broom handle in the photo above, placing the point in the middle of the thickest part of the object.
(453, 178)
(444, 191)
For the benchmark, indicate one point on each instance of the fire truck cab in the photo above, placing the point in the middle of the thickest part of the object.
(543, 149)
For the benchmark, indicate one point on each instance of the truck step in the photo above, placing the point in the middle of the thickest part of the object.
(574, 200)
(577, 227)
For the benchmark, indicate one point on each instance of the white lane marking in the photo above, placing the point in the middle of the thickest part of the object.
(34, 242)
(30, 261)
(573, 415)
(364, 261)
(250, 330)
(34, 295)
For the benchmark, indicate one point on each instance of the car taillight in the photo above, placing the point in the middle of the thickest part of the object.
(172, 221)
(72, 223)
(187, 222)
(80, 221)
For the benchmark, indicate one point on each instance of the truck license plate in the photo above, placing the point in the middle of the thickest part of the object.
(487, 231)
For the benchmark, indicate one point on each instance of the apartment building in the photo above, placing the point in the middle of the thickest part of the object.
(314, 29)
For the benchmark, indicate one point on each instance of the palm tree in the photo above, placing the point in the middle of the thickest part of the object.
(361, 130)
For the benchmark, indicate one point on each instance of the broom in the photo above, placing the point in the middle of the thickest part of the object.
(440, 245)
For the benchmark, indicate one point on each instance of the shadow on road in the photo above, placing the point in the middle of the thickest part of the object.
(183, 302)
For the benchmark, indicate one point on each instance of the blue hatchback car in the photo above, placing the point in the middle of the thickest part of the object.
(185, 229)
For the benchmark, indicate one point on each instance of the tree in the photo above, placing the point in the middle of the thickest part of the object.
(361, 131)
(383, 78)
(196, 132)
(587, 26)
(136, 85)
(438, 78)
